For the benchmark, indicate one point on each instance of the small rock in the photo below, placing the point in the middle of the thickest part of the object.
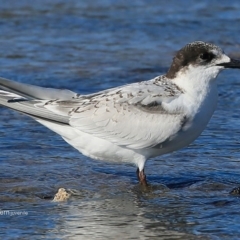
(61, 195)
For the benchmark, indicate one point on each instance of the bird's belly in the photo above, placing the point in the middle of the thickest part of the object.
(184, 138)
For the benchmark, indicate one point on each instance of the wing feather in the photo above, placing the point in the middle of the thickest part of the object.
(132, 116)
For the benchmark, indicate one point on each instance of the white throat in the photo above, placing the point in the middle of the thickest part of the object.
(196, 79)
(199, 85)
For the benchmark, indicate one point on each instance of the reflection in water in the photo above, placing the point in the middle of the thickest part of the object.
(119, 216)
(87, 46)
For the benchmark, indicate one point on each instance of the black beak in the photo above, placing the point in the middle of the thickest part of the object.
(232, 64)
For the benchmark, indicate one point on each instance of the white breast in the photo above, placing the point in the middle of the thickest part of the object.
(200, 104)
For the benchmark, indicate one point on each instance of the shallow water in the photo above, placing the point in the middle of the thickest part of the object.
(95, 45)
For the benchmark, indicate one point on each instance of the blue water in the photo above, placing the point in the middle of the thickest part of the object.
(88, 46)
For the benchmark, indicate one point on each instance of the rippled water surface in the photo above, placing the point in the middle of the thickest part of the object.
(88, 46)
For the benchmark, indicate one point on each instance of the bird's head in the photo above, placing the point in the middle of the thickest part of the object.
(200, 60)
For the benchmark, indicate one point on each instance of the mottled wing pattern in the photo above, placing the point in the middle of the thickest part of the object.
(131, 116)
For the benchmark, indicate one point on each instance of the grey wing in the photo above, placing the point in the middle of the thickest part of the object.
(29, 99)
(128, 125)
(132, 116)
(35, 92)
(127, 116)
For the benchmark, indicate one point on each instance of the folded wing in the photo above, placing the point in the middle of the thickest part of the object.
(132, 116)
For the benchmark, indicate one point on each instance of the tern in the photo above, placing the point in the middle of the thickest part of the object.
(134, 122)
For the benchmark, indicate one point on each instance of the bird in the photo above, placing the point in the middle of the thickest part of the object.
(134, 122)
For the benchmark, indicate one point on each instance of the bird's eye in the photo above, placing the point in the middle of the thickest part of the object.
(206, 56)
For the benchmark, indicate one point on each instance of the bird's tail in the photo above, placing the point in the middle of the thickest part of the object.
(34, 92)
(29, 99)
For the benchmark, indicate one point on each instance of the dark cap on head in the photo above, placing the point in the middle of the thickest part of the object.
(193, 53)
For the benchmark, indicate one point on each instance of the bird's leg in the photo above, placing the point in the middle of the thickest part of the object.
(142, 177)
